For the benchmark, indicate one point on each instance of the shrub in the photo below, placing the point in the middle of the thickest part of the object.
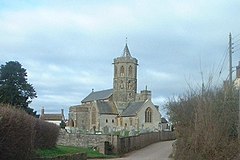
(21, 134)
(62, 124)
(16, 133)
(205, 124)
(46, 134)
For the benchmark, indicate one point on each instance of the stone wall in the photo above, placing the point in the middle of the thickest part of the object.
(120, 145)
(83, 140)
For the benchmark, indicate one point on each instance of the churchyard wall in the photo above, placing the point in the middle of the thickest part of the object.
(94, 141)
(119, 145)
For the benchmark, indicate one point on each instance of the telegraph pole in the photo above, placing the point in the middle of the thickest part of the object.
(230, 59)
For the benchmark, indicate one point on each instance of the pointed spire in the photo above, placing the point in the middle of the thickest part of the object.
(126, 52)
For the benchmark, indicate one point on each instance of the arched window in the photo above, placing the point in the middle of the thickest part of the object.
(121, 121)
(148, 115)
(71, 123)
(115, 70)
(94, 112)
(130, 121)
(130, 71)
(122, 71)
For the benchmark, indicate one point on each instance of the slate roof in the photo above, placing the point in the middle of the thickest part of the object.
(106, 108)
(163, 120)
(126, 52)
(52, 117)
(132, 109)
(99, 95)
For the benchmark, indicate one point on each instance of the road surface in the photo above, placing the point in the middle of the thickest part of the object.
(156, 151)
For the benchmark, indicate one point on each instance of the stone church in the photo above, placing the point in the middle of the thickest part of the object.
(118, 108)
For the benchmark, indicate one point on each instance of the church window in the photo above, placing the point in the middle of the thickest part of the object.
(106, 120)
(94, 115)
(148, 115)
(130, 71)
(115, 70)
(130, 85)
(112, 120)
(122, 71)
(121, 85)
(121, 121)
(130, 121)
(115, 84)
(71, 123)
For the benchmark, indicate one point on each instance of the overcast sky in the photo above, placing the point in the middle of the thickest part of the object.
(68, 46)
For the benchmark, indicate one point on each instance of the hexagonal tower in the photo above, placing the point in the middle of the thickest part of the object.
(125, 79)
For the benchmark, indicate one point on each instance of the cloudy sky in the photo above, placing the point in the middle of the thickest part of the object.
(68, 46)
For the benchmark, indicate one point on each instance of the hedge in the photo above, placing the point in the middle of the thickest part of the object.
(46, 134)
(21, 134)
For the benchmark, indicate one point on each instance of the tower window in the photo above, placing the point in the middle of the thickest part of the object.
(130, 85)
(106, 120)
(130, 71)
(115, 70)
(94, 118)
(148, 115)
(122, 71)
(121, 85)
(130, 121)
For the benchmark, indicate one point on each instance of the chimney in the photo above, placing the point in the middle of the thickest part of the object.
(42, 111)
(42, 114)
(62, 112)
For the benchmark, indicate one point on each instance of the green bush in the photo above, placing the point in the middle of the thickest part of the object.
(21, 134)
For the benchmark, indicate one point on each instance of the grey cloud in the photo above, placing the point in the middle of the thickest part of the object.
(68, 49)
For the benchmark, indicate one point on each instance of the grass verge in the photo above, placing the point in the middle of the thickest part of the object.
(65, 150)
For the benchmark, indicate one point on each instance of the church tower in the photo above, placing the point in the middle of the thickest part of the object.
(125, 79)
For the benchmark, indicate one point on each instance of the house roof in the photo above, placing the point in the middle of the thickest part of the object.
(163, 120)
(132, 109)
(53, 117)
(106, 108)
(99, 95)
(71, 107)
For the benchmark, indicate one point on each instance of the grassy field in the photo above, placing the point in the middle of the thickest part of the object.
(64, 150)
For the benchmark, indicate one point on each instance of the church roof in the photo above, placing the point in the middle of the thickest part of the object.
(99, 95)
(132, 109)
(106, 108)
(126, 52)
